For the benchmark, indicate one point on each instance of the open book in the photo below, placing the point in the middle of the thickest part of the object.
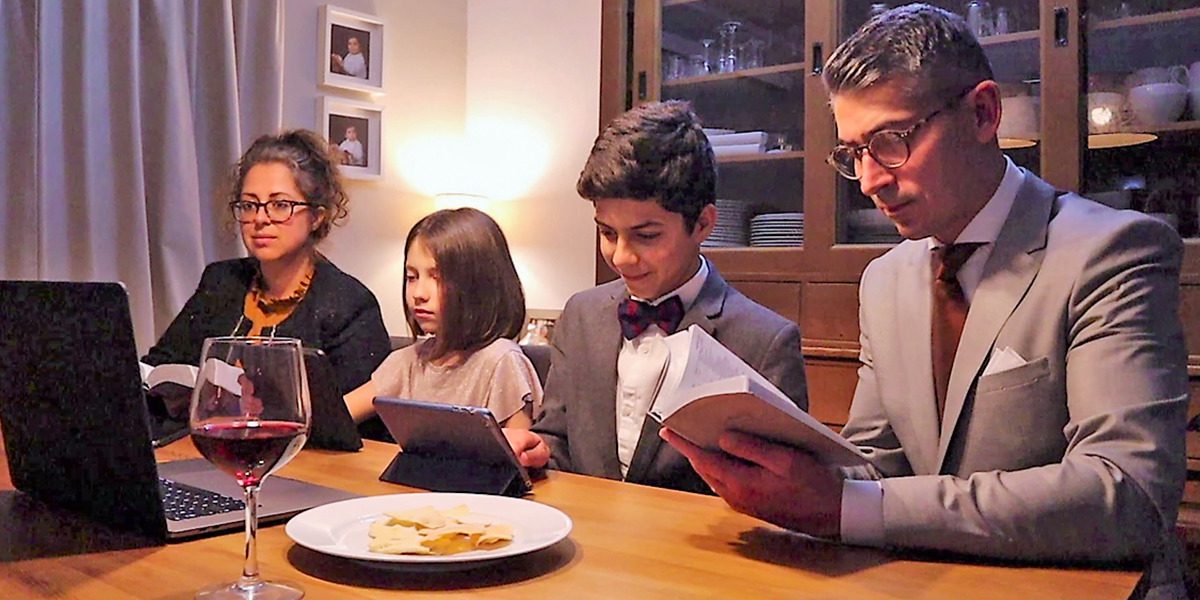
(157, 378)
(218, 372)
(706, 390)
(169, 386)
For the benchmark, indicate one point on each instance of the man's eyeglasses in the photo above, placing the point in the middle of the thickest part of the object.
(278, 211)
(889, 148)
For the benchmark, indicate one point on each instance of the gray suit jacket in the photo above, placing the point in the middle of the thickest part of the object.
(1076, 454)
(579, 420)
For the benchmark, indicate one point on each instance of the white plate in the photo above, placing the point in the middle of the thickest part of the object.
(340, 528)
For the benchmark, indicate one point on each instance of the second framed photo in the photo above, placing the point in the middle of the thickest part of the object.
(355, 134)
(351, 50)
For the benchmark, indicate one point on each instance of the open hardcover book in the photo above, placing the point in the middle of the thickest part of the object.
(171, 384)
(169, 378)
(706, 390)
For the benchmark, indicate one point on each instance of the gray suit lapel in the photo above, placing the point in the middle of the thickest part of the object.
(602, 381)
(911, 305)
(1009, 271)
(704, 311)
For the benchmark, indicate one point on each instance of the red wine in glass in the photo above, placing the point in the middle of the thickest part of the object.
(249, 415)
(247, 449)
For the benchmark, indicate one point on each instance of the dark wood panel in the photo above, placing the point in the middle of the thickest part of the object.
(768, 264)
(1193, 437)
(830, 388)
(1063, 88)
(616, 94)
(831, 314)
(1189, 313)
(781, 297)
(614, 67)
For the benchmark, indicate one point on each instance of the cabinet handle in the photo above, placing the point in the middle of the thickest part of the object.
(641, 86)
(818, 59)
(1061, 26)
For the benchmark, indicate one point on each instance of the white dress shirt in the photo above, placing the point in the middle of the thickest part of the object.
(639, 365)
(862, 500)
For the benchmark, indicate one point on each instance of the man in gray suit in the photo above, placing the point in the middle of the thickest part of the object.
(1053, 428)
(652, 179)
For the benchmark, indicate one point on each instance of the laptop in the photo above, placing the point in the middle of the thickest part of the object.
(76, 429)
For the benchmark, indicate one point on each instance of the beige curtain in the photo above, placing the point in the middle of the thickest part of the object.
(119, 122)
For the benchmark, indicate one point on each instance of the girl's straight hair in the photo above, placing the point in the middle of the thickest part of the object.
(482, 298)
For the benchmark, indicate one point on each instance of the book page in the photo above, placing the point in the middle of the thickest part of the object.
(223, 375)
(697, 359)
(703, 420)
(179, 374)
(707, 390)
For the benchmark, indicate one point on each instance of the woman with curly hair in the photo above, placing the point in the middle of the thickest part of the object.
(285, 196)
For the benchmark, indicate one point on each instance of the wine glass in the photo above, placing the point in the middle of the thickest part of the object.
(249, 416)
(710, 64)
(729, 48)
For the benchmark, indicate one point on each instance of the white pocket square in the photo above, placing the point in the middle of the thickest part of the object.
(1006, 359)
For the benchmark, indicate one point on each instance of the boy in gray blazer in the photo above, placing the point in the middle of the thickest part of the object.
(651, 176)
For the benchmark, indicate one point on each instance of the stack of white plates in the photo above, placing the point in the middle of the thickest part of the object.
(732, 228)
(777, 230)
(733, 144)
(871, 226)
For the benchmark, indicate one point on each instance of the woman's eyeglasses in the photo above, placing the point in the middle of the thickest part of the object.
(278, 211)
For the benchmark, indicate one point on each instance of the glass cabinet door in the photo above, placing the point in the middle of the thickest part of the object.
(740, 64)
(1143, 109)
(1009, 32)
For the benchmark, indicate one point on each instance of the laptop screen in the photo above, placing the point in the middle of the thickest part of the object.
(71, 405)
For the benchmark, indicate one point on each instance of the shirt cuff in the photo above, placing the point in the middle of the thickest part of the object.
(862, 513)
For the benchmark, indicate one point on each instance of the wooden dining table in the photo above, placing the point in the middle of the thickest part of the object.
(628, 541)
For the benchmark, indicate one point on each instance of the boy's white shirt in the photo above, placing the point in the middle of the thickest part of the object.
(639, 365)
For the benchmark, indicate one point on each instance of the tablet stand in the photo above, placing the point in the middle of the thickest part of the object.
(446, 474)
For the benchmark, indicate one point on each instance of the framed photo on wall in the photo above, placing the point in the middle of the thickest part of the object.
(351, 50)
(355, 134)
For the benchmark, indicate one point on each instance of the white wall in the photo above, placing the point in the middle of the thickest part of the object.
(533, 83)
(424, 94)
(458, 74)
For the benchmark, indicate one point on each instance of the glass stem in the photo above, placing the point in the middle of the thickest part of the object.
(250, 579)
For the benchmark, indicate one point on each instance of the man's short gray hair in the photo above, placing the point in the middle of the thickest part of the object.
(929, 50)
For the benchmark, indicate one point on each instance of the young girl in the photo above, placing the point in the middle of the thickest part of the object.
(461, 290)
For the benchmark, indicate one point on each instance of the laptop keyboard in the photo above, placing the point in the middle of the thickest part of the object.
(182, 501)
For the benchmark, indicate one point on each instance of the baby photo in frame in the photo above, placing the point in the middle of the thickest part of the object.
(351, 50)
(354, 131)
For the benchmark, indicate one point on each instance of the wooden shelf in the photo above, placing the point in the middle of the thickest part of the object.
(1010, 38)
(753, 74)
(847, 352)
(753, 12)
(753, 248)
(1146, 20)
(1158, 39)
(1170, 127)
(761, 157)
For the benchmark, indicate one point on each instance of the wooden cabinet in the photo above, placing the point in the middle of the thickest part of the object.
(752, 66)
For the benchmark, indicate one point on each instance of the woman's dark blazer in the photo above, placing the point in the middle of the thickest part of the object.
(339, 315)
